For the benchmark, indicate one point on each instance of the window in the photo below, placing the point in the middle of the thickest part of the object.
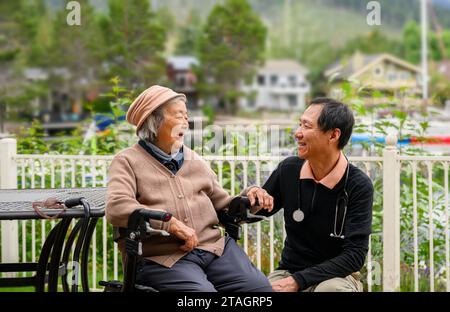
(292, 80)
(261, 80)
(392, 76)
(181, 82)
(378, 71)
(292, 100)
(273, 80)
(405, 75)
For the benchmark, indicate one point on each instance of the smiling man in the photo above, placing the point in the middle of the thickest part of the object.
(327, 205)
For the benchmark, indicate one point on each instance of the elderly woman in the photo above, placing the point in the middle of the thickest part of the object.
(160, 173)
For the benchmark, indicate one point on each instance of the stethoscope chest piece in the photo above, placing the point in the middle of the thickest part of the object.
(298, 215)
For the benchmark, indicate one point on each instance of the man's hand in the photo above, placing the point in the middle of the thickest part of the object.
(287, 284)
(264, 199)
(183, 232)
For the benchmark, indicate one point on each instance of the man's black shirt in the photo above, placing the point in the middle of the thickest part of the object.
(309, 253)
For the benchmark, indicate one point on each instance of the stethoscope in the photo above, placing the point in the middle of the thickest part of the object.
(342, 199)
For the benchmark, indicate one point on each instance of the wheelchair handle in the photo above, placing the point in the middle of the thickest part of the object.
(240, 210)
(246, 201)
(140, 215)
(254, 218)
(155, 215)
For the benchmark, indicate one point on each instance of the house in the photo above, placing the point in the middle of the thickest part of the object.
(56, 109)
(279, 85)
(56, 105)
(183, 78)
(391, 76)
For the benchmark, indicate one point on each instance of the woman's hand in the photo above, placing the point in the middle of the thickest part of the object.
(183, 232)
(265, 201)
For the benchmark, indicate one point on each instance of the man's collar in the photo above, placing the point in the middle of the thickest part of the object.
(332, 178)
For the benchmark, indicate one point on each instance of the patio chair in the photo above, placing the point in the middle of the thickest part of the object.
(231, 219)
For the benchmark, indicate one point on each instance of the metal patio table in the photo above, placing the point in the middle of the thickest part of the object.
(86, 205)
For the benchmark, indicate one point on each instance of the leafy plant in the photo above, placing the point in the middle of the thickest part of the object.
(397, 119)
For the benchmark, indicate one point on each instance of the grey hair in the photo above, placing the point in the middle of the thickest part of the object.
(149, 129)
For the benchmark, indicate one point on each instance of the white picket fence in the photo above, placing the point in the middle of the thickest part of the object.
(392, 246)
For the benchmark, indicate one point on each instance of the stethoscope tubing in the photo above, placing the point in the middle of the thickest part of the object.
(342, 195)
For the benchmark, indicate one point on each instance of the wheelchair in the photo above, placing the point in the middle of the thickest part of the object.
(231, 219)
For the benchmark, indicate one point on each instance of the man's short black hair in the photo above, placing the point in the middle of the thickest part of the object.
(335, 115)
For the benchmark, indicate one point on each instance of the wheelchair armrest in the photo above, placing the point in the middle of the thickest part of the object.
(121, 233)
(239, 210)
(137, 230)
(151, 231)
(139, 215)
(237, 214)
(251, 218)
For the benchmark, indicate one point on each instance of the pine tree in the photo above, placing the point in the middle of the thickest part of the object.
(231, 49)
(412, 43)
(135, 42)
(10, 51)
(189, 35)
(79, 50)
(34, 23)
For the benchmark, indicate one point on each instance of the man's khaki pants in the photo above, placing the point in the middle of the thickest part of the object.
(350, 283)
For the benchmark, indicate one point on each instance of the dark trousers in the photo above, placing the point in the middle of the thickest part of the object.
(203, 271)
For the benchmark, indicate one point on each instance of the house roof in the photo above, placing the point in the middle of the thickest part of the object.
(360, 63)
(182, 62)
(283, 66)
(346, 67)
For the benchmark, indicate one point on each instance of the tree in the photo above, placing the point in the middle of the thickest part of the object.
(439, 86)
(79, 49)
(373, 42)
(135, 42)
(411, 38)
(166, 18)
(7, 57)
(412, 43)
(13, 89)
(446, 42)
(231, 49)
(316, 56)
(435, 49)
(34, 23)
(189, 35)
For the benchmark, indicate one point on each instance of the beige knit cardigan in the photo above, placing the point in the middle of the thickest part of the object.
(192, 195)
